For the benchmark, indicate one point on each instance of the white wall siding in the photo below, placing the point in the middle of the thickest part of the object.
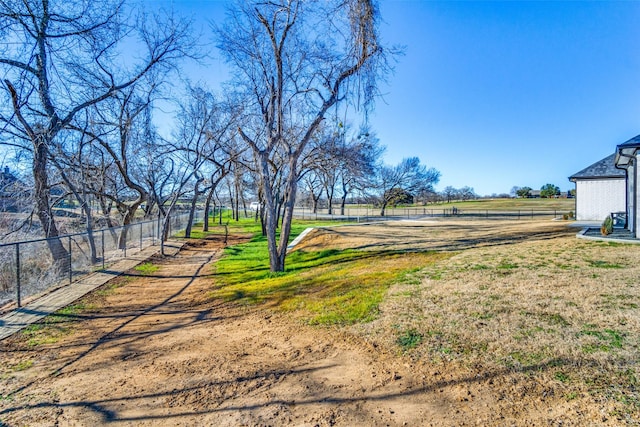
(635, 203)
(597, 198)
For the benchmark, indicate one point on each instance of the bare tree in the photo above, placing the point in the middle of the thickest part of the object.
(408, 176)
(450, 193)
(205, 132)
(312, 183)
(122, 129)
(74, 162)
(62, 60)
(467, 193)
(294, 61)
(360, 157)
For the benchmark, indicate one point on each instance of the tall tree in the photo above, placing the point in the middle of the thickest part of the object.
(295, 60)
(202, 134)
(359, 157)
(409, 176)
(523, 191)
(122, 129)
(62, 60)
(450, 193)
(549, 190)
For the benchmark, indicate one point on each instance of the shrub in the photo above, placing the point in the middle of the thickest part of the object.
(607, 226)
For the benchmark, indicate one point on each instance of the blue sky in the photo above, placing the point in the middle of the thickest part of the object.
(497, 94)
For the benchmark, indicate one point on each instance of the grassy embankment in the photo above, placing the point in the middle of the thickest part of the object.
(323, 287)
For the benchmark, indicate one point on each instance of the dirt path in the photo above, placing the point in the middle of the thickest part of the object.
(157, 351)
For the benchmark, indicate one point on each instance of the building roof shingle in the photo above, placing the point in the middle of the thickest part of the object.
(605, 168)
(633, 142)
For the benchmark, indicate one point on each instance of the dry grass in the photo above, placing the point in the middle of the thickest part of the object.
(527, 300)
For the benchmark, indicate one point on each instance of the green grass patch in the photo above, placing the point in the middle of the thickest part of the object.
(606, 340)
(330, 286)
(147, 268)
(409, 339)
(527, 359)
(53, 327)
(39, 334)
(110, 287)
(66, 313)
(22, 365)
(507, 266)
(603, 264)
(621, 301)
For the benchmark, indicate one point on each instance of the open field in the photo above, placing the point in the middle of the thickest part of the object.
(406, 323)
(488, 208)
(515, 204)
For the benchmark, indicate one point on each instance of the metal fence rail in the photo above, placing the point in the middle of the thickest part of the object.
(27, 268)
(373, 214)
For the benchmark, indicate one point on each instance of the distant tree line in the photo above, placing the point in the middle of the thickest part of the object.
(546, 191)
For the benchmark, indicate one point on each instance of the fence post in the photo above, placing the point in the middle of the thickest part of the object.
(124, 230)
(18, 275)
(103, 254)
(140, 236)
(70, 260)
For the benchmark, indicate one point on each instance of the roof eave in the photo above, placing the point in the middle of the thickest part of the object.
(624, 154)
(594, 178)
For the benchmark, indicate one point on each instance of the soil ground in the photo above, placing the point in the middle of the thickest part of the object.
(157, 350)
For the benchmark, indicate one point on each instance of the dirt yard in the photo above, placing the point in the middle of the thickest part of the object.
(155, 349)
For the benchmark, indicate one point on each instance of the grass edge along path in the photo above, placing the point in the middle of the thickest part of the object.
(322, 287)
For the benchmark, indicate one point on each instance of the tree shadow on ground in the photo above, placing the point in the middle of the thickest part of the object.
(126, 316)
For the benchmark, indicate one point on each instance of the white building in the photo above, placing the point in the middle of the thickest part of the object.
(600, 190)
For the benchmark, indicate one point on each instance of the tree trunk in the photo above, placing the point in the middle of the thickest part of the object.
(343, 201)
(270, 214)
(89, 224)
(384, 206)
(126, 222)
(207, 207)
(329, 193)
(106, 211)
(287, 217)
(192, 210)
(43, 208)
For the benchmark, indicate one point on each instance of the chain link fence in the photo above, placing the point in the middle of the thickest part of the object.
(28, 268)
